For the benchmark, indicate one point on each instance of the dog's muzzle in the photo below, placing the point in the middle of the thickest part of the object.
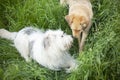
(69, 42)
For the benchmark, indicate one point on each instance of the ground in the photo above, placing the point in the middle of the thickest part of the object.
(100, 59)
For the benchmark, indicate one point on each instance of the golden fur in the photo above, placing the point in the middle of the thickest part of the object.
(79, 18)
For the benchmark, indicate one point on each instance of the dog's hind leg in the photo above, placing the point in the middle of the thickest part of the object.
(22, 44)
(72, 66)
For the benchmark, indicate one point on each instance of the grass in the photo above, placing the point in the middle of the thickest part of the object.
(99, 61)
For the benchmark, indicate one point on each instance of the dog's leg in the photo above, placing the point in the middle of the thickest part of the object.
(23, 49)
(79, 40)
(84, 35)
(72, 66)
(22, 45)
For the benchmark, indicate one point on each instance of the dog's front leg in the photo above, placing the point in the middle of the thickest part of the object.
(83, 38)
(79, 40)
(84, 35)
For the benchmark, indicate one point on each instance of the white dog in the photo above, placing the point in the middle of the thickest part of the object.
(50, 48)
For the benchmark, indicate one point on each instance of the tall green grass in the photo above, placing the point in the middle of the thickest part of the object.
(100, 59)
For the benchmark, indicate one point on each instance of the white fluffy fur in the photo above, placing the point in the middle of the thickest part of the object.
(50, 48)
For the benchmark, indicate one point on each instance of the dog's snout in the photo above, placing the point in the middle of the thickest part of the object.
(75, 35)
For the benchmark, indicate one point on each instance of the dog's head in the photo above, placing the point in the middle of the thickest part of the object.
(57, 40)
(77, 24)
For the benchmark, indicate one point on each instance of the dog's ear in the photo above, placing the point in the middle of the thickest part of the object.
(46, 42)
(69, 19)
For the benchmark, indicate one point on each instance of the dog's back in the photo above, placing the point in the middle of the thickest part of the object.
(79, 7)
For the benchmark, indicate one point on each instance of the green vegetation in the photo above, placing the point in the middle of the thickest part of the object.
(100, 59)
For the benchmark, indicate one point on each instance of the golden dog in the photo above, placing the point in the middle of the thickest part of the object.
(79, 19)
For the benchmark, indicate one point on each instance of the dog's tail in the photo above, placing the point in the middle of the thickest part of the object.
(7, 35)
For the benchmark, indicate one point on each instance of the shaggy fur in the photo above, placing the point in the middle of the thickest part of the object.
(50, 48)
(79, 18)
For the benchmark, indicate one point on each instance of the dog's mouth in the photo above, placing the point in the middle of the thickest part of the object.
(68, 46)
(76, 33)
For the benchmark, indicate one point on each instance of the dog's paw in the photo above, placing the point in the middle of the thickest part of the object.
(71, 68)
(28, 60)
